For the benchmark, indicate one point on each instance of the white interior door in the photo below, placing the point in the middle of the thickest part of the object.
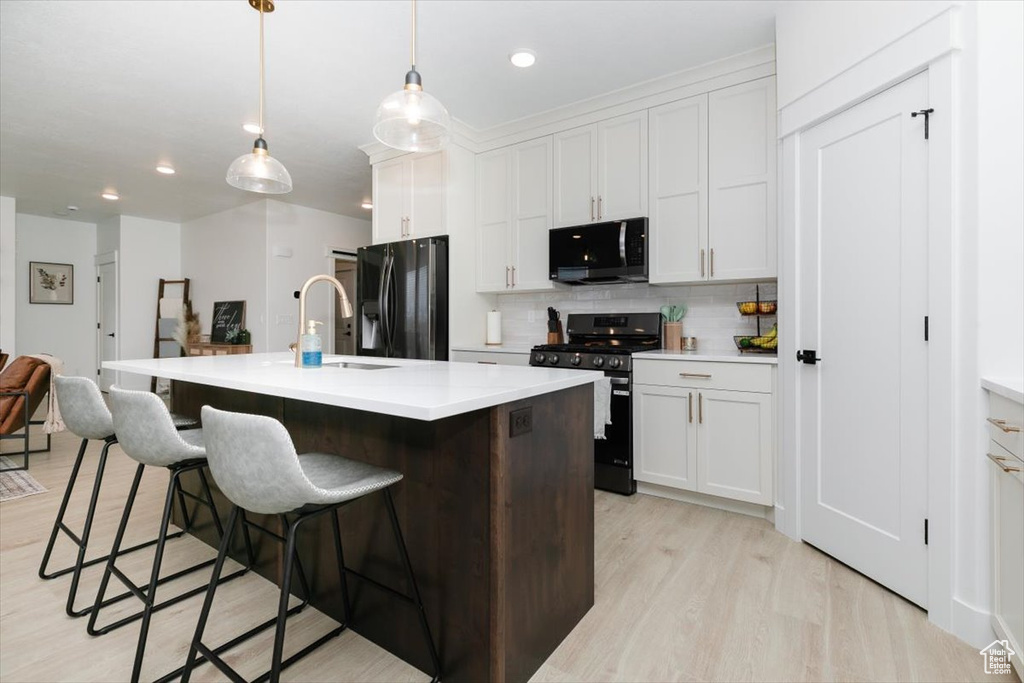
(106, 329)
(863, 299)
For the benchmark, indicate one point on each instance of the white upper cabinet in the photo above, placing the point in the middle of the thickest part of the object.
(575, 176)
(741, 171)
(622, 167)
(514, 217)
(409, 197)
(678, 228)
(601, 171)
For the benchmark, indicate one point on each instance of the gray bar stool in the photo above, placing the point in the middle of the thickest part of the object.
(85, 415)
(255, 464)
(147, 434)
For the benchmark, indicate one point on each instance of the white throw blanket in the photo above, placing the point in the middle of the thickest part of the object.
(170, 308)
(54, 422)
(602, 406)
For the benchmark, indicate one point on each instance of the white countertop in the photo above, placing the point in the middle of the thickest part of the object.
(1010, 387)
(726, 357)
(494, 348)
(418, 389)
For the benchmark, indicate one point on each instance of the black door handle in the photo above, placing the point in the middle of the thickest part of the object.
(111, 334)
(808, 356)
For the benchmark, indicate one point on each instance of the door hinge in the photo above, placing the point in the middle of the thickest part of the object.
(925, 113)
(926, 531)
(97, 326)
(97, 372)
(97, 278)
(926, 328)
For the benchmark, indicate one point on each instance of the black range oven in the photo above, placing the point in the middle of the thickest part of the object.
(606, 342)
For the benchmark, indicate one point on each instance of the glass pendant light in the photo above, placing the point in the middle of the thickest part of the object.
(410, 119)
(258, 171)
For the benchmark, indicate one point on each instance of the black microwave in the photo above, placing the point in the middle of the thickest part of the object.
(599, 253)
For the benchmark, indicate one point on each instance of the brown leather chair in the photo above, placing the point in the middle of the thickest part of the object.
(23, 386)
(3, 359)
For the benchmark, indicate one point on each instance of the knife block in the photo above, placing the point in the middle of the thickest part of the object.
(556, 336)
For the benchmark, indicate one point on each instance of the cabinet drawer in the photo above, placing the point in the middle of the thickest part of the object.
(1006, 424)
(704, 375)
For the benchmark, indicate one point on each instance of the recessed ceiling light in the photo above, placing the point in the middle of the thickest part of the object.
(72, 207)
(253, 128)
(523, 58)
(165, 169)
(367, 205)
(112, 196)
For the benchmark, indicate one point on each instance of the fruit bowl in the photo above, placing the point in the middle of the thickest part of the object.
(747, 307)
(767, 343)
(767, 307)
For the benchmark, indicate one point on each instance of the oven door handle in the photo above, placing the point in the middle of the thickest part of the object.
(619, 380)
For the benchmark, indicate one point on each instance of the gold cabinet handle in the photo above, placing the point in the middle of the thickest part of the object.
(998, 459)
(689, 402)
(1007, 428)
(700, 408)
(591, 208)
(712, 262)
(513, 276)
(598, 207)
(506, 276)
(698, 375)
(487, 362)
(702, 263)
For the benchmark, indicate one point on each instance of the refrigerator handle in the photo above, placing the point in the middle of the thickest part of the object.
(391, 312)
(380, 299)
(432, 300)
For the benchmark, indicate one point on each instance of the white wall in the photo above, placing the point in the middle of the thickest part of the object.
(304, 233)
(8, 269)
(816, 41)
(66, 331)
(225, 256)
(148, 250)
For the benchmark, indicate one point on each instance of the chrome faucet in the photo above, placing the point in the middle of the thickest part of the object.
(346, 309)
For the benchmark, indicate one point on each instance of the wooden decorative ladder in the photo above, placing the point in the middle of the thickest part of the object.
(163, 351)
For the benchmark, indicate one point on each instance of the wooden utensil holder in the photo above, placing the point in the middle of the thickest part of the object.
(673, 333)
(556, 337)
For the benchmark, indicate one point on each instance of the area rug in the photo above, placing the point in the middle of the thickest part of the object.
(17, 484)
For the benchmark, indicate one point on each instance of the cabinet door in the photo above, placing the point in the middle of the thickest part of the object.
(734, 445)
(665, 436)
(741, 169)
(493, 211)
(1008, 550)
(622, 167)
(531, 214)
(575, 176)
(678, 228)
(428, 184)
(389, 203)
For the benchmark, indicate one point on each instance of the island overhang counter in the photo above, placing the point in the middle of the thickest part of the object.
(496, 503)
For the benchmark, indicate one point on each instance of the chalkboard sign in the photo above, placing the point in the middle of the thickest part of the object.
(227, 316)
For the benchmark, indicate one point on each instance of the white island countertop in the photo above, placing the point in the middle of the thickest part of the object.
(417, 389)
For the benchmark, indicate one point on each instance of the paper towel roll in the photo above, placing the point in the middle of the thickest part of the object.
(494, 328)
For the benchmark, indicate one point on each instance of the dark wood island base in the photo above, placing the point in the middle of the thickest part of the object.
(500, 529)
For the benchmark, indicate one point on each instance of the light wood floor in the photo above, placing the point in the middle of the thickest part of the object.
(684, 593)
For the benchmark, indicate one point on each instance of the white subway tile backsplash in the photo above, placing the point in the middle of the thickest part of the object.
(712, 317)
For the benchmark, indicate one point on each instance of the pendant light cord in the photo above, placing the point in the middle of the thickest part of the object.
(261, 68)
(413, 45)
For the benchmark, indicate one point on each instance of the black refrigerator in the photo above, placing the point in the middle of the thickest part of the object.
(402, 299)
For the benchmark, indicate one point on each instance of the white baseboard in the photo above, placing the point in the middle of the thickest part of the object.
(972, 625)
(751, 509)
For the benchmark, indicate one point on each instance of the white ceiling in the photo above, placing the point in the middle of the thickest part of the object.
(93, 95)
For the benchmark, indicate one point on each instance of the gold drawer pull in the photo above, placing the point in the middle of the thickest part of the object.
(998, 459)
(698, 375)
(1008, 429)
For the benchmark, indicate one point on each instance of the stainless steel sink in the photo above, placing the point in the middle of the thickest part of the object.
(348, 365)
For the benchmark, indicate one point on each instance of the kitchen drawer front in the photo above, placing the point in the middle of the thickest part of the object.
(703, 375)
(1006, 424)
(490, 358)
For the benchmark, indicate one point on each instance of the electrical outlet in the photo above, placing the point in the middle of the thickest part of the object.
(520, 421)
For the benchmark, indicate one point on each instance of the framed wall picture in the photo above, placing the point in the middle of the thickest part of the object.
(228, 316)
(51, 283)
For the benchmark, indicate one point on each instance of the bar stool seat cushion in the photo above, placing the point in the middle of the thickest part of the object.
(82, 407)
(253, 459)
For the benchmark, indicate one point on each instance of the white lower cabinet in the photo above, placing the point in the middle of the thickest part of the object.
(692, 434)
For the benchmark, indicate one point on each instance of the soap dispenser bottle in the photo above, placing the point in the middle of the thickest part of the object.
(311, 346)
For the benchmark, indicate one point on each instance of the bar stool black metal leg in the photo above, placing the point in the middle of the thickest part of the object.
(147, 612)
(282, 606)
(114, 551)
(84, 541)
(341, 567)
(412, 582)
(204, 614)
(209, 496)
(60, 512)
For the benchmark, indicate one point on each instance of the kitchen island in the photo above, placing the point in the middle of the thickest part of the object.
(496, 505)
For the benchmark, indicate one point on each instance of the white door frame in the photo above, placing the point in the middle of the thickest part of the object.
(930, 47)
(102, 260)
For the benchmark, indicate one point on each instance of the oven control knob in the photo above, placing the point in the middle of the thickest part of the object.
(598, 362)
(539, 357)
(614, 362)
(576, 359)
(553, 359)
